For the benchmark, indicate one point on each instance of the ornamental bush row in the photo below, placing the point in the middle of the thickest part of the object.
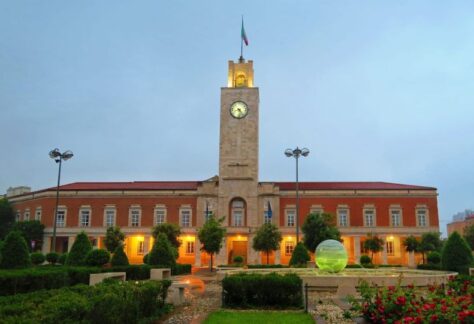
(111, 302)
(259, 290)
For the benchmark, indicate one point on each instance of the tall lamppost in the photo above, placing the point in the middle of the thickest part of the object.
(296, 153)
(58, 158)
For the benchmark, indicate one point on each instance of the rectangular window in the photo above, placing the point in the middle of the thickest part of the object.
(85, 218)
(395, 217)
(237, 216)
(189, 247)
(140, 247)
(316, 211)
(207, 215)
(185, 218)
(343, 217)
(26, 217)
(38, 214)
(390, 248)
(267, 217)
(135, 218)
(290, 217)
(369, 217)
(421, 217)
(109, 217)
(289, 246)
(160, 216)
(17, 216)
(61, 218)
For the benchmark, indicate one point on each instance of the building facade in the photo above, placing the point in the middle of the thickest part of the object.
(392, 211)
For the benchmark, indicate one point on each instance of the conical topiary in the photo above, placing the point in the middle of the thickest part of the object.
(456, 255)
(119, 258)
(162, 252)
(79, 250)
(300, 255)
(14, 252)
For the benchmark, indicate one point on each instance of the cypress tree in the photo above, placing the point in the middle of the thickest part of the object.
(79, 250)
(456, 255)
(300, 255)
(119, 258)
(14, 252)
(162, 252)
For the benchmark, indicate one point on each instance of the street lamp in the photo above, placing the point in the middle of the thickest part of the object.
(58, 157)
(296, 153)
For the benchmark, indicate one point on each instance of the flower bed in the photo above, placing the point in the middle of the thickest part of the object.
(437, 304)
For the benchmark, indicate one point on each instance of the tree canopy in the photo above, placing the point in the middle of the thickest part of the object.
(267, 239)
(456, 254)
(430, 241)
(15, 252)
(211, 236)
(171, 231)
(469, 235)
(79, 250)
(374, 244)
(162, 252)
(318, 228)
(113, 238)
(32, 231)
(7, 217)
(411, 244)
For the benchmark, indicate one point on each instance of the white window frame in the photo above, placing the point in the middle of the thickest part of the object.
(62, 210)
(339, 214)
(289, 248)
(38, 213)
(207, 212)
(85, 210)
(395, 210)
(288, 212)
(135, 210)
(182, 212)
(426, 216)
(106, 214)
(374, 217)
(26, 215)
(237, 210)
(189, 249)
(316, 209)
(160, 211)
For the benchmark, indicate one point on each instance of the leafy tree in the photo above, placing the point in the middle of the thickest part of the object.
(32, 230)
(430, 242)
(113, 238)
(171, 231)
(15, 252)
(79, 250)
(162, 252)
(456, 254)
(434, 257)
(411, 244)
(300, 255)
(119, 258)
(211, 236)
(267, 239)
(318, 228)
(365, 259)
(7, 218)
(97, 257)
(469, 235)
(373, 244)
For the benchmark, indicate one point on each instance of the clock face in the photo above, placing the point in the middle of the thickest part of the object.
(239, 109)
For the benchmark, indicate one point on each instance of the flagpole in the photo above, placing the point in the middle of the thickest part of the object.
(241, 59)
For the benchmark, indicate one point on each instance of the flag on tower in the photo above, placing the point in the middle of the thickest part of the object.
(243, 34)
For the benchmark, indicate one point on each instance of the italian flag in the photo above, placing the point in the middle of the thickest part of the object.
(243, 35)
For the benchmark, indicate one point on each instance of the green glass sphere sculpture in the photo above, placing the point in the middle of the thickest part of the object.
(331, 256)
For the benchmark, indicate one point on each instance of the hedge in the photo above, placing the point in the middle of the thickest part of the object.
(111, 302)
(266, 266)
(262, 290)
(429, 266)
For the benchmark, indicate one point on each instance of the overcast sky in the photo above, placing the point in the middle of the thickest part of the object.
(377, 90)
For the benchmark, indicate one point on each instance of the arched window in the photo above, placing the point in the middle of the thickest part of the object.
(237, 211)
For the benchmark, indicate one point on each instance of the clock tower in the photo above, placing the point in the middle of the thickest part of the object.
(238, 147)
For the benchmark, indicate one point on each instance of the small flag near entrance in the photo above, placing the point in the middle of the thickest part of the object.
(269, 209)
(243, 34)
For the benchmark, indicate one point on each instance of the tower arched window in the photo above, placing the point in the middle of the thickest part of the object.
(237, 212)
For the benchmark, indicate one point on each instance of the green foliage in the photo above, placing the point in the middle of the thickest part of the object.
(180, 269)
(276, 317)
(434, 257)
(113, 238)
(259, 290)
(365, 259)
(430, 242)
(469, 235)
(68, 307)
(238, 259)
(373, 244)
(267, 239)
(37, 258)
(318, 228)
(300, 256)
(171, 231)
(62, 258)
(411, 244)
(211, 236)
(119, 258)
(7, 217)
(32, 230)
(97, 257)
(52, 257)
(15, 252)
(145, 258)
(456, 255)
(429, 266)
(79, 250)
(31, 279)
(266, 266)
(162, 252)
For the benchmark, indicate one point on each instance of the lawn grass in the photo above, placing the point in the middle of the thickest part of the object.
(270, 317)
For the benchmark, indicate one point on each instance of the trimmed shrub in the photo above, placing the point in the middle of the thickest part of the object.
(429, 266)
(456, 255)
(258, 290)
(180, 269)
(365, 259)
(145, 258)
(66, 307)
(62, 258)
(266, 266)
(353, 266)
(79, 250)
(162, 252)
(238, 259)
(300, 256)
(14, 252)
(97, 258)
(28, 280)
(52, 257)
(119, 258)
(37, 258)
(434, 257)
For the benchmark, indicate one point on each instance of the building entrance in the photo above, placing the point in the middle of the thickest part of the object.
(239, 248)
